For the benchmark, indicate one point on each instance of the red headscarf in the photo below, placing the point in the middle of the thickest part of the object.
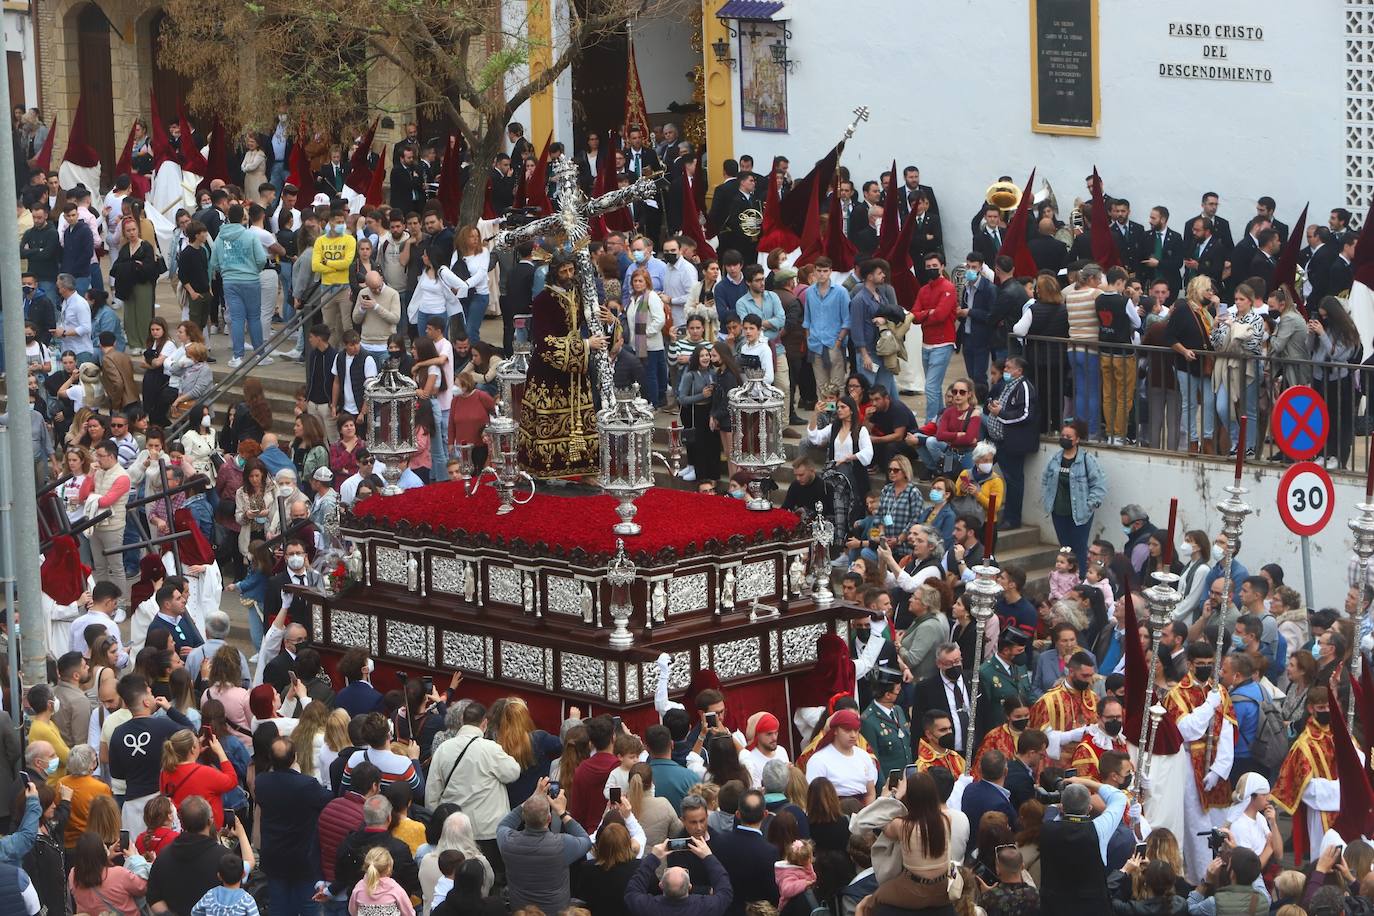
(195, 549)
(151, 571)
(832, 674)
(63, 575)
(760, 723)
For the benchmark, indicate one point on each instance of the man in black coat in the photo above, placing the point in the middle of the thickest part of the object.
(189, 866)
(1160, 252)
(1128, 235)
(297, 606)
(1049, 253)
(1342, 275)
(1205, 255)
(944, 691)
(988, 240)
(407, 184)
(1322, 252)
(748, 857)
(681, 895)
(519, 294)
(861, 231)
(694, 824)
(291, 805)
(739, 219)
(1221, 229)
(1265, 207)
(1031, 746)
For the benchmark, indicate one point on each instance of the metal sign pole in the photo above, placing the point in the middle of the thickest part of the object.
(7, 575)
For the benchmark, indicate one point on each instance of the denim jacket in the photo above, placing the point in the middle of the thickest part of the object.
(1087, 485)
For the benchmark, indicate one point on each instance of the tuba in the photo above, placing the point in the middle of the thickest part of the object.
(1004, 195)
(1045, 195)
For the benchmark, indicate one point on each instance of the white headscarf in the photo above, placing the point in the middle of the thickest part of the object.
(1247, 787)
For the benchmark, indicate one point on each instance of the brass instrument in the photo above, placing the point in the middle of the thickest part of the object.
(1076, 215)
(1045, 195)
(1004, 195)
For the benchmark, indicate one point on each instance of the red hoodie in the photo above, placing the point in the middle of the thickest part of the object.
(934, 312)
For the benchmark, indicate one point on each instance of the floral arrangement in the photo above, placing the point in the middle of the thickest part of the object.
(674, 521)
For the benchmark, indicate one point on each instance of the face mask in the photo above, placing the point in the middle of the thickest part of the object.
(239, 462)
(285, 490)
(952, 674)
(205, 421)
(932, 273)
(947, 741)
(1126, 530)
(1065, 443)
(1126, 782)
(1112, 727)
(984, 467)
(335, 229)
(1203, 673)
(937, 496)
(52, 766)
(56, 704)
(281, 118)
(1185, 551)
(1217, 553)
(670, 257)
(637, 256)
(1019, 725)
(1323, 718)
(296, 562)
(971, 276)
(737, 494)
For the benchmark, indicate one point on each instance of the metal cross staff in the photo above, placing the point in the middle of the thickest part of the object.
(572, 221)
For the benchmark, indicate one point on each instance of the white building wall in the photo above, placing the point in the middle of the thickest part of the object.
(18, 26)
(1151, 479)
(949, 86)
(664, 55)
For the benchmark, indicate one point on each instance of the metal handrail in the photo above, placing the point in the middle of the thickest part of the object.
(313, 304)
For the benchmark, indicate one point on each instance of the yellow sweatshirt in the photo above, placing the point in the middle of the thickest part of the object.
(331, 258)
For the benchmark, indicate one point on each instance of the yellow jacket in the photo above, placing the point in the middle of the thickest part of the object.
(331, 258)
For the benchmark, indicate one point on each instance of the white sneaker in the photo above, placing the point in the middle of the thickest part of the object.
(1331, 462)
(266, 361)
(293, 354)
(235, 362)
(253, 659)
(689, 474)
(120, 616)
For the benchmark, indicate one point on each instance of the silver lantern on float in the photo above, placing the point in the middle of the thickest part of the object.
(627, 471)
(757, 421)
(503, 464)
(390, 397)
(512, 374)
(621, 572)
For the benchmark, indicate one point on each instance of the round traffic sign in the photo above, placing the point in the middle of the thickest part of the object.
(1300, 422)
(1306, 498)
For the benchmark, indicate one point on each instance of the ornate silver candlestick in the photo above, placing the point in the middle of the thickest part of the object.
(504, 466)
(1156, 712)
(822, 534)
(620, 575)
(1233, 512)
(982, 594)
(627, 472)
(465, 469)
(1162, 599)
(673, 460)
(1362, 526)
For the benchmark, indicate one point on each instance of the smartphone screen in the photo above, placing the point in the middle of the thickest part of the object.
(678, 843)
(429, 684)
(893, 777)
(616, 725)
(553, 789)
(615, 795)
(230, 819)
(711, 719)
(124, 840)
(1140, 849)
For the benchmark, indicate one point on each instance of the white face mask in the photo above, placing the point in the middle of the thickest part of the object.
(985, 467)
(296, 562)
(367, 670)
(56, 704)
(205, 421)
(1217, 553)
(1185, 551)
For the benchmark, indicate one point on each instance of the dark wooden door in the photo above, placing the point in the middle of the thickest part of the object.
(598, 84)
(93, 61)
(14, 60)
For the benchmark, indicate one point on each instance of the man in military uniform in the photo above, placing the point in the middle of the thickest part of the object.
(885, 725)
(1000, 678)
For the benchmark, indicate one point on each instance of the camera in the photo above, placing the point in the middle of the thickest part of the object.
(516, 217)
(1216, 840)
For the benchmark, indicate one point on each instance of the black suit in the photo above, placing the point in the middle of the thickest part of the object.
(989, 242)
(1221, 234)
(926, 236)
(331, 176)
(1263, 267)
(516, 301)
(1128, 241)
(730, 231)
(502, 191)
(748, 859)
(1049, 253)
(400, 148)
(1318, 266)
(864, 236)
(1210, 257)
(904, 200)
(407, 189)
(930, 694)
(1020, 782)
(648, 162)
(1281, 228)
(1242, 256)
(1340, 278)
(299, 609)
(1170, 265)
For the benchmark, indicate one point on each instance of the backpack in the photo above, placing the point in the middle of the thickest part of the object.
(1270, 745)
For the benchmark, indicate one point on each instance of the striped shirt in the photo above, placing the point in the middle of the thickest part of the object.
(1081, 304)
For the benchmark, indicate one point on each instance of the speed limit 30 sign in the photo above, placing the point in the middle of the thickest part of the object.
(1306, 498)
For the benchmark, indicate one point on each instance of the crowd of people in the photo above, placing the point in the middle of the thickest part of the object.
(163, 766)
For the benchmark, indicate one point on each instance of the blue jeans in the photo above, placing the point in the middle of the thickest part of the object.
(438, 444)
(83, 285)
(278, 174)
(291, 898)
(1250, 406)
(97, 279)
(1073, 536)
(1087, 389)
(881, 375)
(49, 288)
(256, 629)
(243, 302)
(976, 353)
(932, 454)
(474, 310)
(1014, 474)
(1191, 388)
(655, 377)
(935, 360)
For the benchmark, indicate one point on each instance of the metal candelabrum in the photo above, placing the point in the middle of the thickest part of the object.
(627, 469)
(620, 576)
(1155, 713)
(1233, 512)
(822, 535)
(1362, 526)
(1162, 599)
(982, 594)
(504, 467)
(673, 459)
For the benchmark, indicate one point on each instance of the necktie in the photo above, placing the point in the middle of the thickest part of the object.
(997, 237)
(962, 711)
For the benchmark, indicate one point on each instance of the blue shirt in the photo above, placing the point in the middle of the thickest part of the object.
(770, 311)
(1218, 571)
(658, 272)
(1105, 823)
(1247, 716)
(825, 315)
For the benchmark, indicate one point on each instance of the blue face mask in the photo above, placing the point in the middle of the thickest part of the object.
(1126, 530)
(971, 276)
(738, 494)
(335, 229)
(638, 256)
(52, 766)
(937, 496)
